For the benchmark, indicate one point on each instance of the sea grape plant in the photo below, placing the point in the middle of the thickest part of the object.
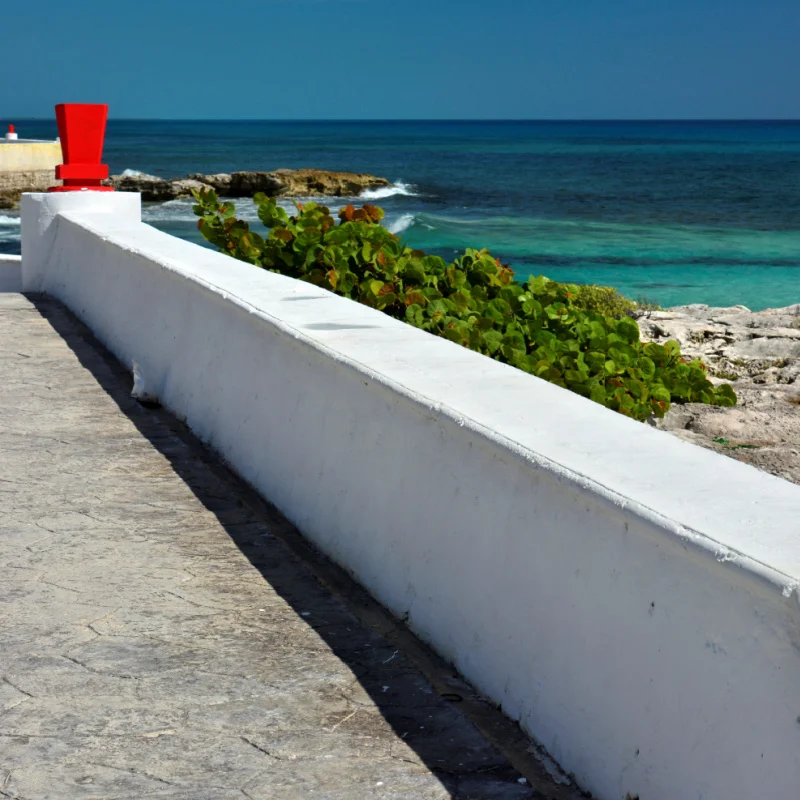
(538, 326)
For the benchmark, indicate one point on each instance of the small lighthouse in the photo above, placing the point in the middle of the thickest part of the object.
(11, 136)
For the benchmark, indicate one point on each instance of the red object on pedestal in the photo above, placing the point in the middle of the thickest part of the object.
(82, 128)
(11, 129)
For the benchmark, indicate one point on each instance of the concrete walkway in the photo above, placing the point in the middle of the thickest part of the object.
(160, 637)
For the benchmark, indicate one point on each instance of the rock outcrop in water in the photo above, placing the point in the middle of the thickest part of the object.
(279, 183)
(759, 354)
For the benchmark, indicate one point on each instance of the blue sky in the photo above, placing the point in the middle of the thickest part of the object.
(417, 59)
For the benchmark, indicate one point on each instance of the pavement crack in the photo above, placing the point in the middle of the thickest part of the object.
(90, 625)
(9, 565)
(14, 686)
(29, 547)
(58, 586)
(260, 750)
(342, 721)
(131, 771)
(4, 793)
(97, 671)
(192, 602)
(109, 522)
(43, 527)
(345, 693)
(405, 760)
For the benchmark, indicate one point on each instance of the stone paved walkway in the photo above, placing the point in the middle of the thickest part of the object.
(159, 638)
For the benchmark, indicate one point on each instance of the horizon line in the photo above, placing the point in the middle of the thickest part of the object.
(428, 120)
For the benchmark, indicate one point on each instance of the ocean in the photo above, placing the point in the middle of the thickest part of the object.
(675, 212)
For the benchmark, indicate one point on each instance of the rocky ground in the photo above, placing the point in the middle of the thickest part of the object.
(759, 354)
(279, 183)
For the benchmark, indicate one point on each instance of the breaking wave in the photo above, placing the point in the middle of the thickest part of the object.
(402, 223)
(135, 173)
(395, 189)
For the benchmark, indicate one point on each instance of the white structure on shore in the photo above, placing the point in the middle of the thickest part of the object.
(27, 164)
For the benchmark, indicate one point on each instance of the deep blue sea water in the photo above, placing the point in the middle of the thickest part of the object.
(679, 212)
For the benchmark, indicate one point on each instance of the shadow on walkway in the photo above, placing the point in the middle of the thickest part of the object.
(473, 749)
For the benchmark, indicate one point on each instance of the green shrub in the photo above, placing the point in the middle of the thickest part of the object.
(604, 300)
(608, 301)
(539, 326)
(644, 303)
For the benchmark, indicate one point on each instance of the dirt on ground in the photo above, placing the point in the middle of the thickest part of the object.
(758, 353)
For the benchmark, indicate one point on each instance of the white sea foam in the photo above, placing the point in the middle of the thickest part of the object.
(171, 211)
(402, 223)
(4, 220)
(398, 188)
(135, 173)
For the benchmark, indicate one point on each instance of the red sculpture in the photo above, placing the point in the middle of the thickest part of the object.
(82, 128)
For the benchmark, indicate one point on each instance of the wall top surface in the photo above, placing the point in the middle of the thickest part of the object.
(4, 141)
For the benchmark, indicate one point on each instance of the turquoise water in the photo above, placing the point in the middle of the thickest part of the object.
(678, 212)
(670, 264)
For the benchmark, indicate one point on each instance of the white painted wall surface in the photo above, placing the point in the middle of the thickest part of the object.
(629, 597)
(10, 273)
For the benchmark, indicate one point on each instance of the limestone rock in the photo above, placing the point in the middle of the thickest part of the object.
(246, 184)
(299, 183)
(310, 182)
(220, 182)
(758, 353)
(9, 198)
(151, 187)
(279, 183)
(184, 187)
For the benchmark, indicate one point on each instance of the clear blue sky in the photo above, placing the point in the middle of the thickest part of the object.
(390, 59)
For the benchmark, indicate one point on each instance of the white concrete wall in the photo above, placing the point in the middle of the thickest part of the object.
(10, 273)
(630, 598)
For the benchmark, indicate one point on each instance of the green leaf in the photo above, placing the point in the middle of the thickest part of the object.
(493, 340)
(597, 393)
(628, 330)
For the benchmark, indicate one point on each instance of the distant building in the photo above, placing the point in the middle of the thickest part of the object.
(26, 165)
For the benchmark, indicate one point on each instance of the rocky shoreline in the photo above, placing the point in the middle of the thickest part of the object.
(278, 183)
(758, 353)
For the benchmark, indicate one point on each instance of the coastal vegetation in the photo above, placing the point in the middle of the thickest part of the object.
(608, 301)
(578, 338)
